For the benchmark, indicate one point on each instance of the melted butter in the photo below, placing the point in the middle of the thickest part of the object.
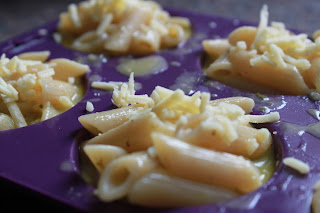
(266, 165)
(142, 66)
(186, 82)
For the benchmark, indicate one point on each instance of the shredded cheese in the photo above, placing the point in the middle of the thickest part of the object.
(297, 164)
(31, 90)
(89, 106)
(280, 47)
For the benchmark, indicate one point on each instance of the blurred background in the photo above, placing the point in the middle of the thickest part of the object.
(18, 16)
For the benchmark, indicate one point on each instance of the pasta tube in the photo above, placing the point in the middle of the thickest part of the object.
(35, 56)
(101, 122)
(245, 103)
(215, 47)
(74, 69)
(53, 90)
(159, 189)
(100, 155)
(264, 73)
(206, 166)
(134, 134)
(119, 176)
(245, 33)
(120, 41)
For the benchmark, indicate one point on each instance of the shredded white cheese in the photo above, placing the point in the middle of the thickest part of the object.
(280, 47)
(297, 164)
(89, 106)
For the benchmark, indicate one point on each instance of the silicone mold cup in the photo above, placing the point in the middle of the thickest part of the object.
(44, 157)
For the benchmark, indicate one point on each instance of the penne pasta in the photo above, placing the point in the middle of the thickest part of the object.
(29, 91)
(121, 27)
(245, 33)
(75, 69)
(35, 56)
(119, 175)
(53, 90)
(215, 47)
(88, 42)
(205, 151)
(134, 134)
(245, 103)
(101, 122)
(145, 42)
(101, 155)
(205, 166)
(264, 74)
(159, 189)
(175, 35)
(268, 59)
(119, 41)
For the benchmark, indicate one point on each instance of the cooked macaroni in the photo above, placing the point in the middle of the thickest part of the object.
(33, 89)
(268, 58)
(121, 27)
(164, 149)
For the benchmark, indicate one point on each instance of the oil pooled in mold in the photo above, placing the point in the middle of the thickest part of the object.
(142, 66)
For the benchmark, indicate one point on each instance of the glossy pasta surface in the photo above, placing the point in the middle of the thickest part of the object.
(168, 139)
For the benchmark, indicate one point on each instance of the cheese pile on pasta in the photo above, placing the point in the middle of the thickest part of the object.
(267, 56)
(33, 90)
(121, 27)
(169, 149)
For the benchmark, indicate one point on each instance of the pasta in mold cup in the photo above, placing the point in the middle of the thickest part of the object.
(57, 156)
(265, 59)
(34, 89)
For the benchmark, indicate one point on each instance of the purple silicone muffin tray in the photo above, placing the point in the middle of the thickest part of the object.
(44, 157)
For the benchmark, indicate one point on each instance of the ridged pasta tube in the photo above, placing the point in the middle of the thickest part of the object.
(120, 174)
(134, 134)
(74, 69)
(101, 122)
(159, 189)
(101, 155)
(245, 103)
(206, 166)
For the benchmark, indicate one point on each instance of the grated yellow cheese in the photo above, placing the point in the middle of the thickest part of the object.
(297, 164)
(279, 46)
(89, 106)
(255, 56)
(31, 90)
(121, 26)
